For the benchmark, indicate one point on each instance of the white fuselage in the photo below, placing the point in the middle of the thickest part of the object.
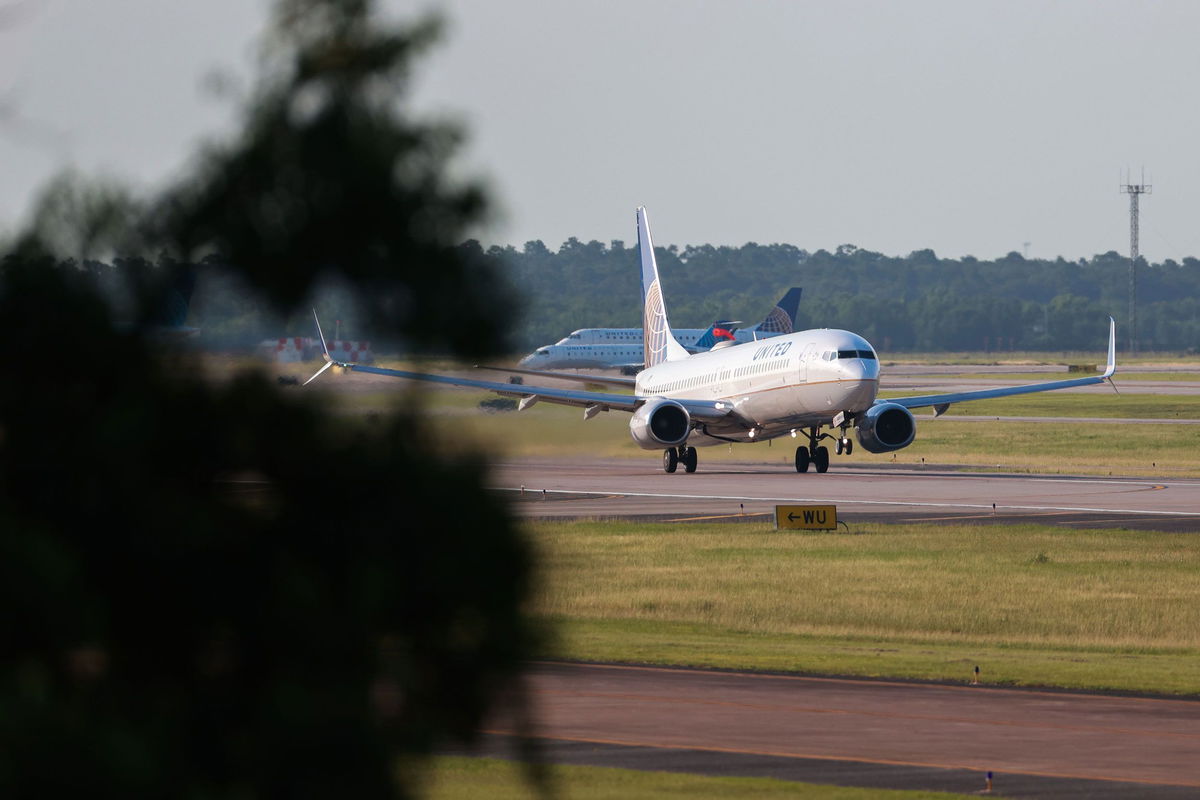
(605, 348)
(585, 356)
(791, 381)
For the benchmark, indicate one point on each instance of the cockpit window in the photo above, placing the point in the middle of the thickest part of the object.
(866, 355)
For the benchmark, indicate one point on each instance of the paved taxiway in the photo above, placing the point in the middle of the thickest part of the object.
(862, 733)
(637, 488)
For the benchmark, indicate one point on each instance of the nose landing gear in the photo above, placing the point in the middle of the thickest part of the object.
(818, 455)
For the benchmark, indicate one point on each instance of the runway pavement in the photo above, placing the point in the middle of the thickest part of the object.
(638, 489)
(861, 733)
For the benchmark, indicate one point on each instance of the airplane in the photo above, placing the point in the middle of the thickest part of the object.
(794, 385)
(625, 356)
(621, 348)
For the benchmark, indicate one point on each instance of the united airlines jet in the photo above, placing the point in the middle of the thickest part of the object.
(812, 385)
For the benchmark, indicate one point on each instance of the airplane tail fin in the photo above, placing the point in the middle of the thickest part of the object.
(658, 343)
(782, 318)
(720, 331)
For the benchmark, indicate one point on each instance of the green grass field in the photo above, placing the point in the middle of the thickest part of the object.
(452, 778)
(1031, 605)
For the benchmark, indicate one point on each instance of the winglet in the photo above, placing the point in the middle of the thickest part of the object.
(324, 351)
(324, 347)
(1112, 349)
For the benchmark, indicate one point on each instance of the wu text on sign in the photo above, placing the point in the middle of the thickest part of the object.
(810, 518)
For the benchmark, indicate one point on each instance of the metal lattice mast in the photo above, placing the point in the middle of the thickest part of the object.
(1134, 190)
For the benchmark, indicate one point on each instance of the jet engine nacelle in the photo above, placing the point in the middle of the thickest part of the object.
(886, 427)
(659, 424)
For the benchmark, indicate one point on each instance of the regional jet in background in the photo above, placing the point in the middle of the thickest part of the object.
(613, 348)
(621, 348)
(793, 385)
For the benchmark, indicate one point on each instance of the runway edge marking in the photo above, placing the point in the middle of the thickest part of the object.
(855, 502)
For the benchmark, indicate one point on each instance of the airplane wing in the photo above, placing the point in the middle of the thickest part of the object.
(708, 410)
(941, 402)
(568, 397)
(627, 383)
(591, 402)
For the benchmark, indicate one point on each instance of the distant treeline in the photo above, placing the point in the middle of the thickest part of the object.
(917, 302)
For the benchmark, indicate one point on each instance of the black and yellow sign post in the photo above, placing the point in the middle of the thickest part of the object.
(806, 518)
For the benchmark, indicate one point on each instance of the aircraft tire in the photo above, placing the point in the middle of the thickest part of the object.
(821, 460)
(670, 460)
(690, 459)
(802, 459)
(838, 448)
(849, 448)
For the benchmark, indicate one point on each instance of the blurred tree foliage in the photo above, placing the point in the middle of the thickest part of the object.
(223, 590)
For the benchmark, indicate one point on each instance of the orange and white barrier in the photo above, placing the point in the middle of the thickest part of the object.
(287, 350)
(356, 352)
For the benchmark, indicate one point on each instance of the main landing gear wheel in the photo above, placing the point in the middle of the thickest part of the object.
(821, 459)
(670, 460)
(689, 459)
(802, 459)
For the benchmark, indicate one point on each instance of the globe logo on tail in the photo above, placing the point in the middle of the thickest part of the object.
(777, 321)
(654, 328)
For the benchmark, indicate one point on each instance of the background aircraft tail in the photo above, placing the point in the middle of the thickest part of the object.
(721, 331)
(782, 318)
(168, 318)
(658, 343)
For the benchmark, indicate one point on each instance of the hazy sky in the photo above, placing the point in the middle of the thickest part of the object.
(966, 127)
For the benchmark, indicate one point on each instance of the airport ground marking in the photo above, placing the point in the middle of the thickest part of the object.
(858, 502)
(721, 516)
(870, 471)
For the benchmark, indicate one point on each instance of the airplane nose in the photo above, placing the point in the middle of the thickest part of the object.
(861, 369)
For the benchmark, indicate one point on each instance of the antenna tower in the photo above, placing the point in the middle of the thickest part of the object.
(1134, 190)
